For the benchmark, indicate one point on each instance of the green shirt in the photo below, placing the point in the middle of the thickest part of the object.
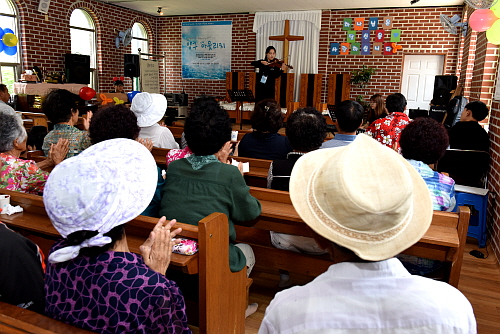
(190, 195)
(78, 140)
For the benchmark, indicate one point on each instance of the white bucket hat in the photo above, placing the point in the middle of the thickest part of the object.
(363, 196)
(107, 185)
(148, 108)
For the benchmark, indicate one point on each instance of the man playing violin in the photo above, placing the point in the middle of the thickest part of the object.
(270, 68)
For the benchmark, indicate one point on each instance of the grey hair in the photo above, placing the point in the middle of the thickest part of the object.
(11, 128)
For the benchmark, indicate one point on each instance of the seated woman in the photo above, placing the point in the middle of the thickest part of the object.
(306, 130)
(60, 106)
(150, 109)
(93, 281)
(265, 142)
(23, 175)
(119, 121)
(424, 142)
(377, 109)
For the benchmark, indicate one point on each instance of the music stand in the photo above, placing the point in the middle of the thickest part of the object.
(331, 112)
(239, 96)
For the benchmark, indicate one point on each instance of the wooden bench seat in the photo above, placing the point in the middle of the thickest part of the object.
(222, 294)
(444, 240)
(17, 320)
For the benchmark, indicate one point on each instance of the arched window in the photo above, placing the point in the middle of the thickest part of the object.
(139, 38)
(9, 65)
(83, 40)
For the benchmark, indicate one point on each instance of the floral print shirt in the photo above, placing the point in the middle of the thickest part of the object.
(387, 130)
(78, 139)
(21, 175)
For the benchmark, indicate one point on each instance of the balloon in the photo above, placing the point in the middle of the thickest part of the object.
(493, 34)
(131, 95)
(496, 9)
(482, 19)
(122, 78)
(9, 39)
(1, 33)
(8, 31)
(86, 93)
(115, 78)
(10, 50)
(2, 46)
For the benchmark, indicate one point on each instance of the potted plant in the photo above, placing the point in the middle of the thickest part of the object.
(361, 78)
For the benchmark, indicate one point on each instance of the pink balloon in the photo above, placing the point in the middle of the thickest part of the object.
(482, 19)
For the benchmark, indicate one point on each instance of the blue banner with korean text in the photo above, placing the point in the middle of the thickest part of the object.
(206, 49)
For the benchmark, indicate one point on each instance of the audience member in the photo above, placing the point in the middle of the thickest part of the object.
(119, 121)
(118, 87)
(60, 106)
(377, 109)
(387, 130)
(349, 117)
(423, 142)
(206, 182)
(306, 131)
(35, 137)
(150, 109)
(468, 134)
(265, 142)
(23, 175)
(21, 271)
(365, 216)
(4, 98)
(93, 281)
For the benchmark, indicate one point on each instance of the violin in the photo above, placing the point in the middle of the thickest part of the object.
(279, 63)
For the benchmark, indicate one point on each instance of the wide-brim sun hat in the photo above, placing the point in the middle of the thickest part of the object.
(363, 196)
(106, 185)
(148, 108)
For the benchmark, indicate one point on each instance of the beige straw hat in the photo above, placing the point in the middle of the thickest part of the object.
(363, 196)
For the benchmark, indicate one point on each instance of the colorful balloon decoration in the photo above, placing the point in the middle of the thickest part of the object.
(132, 94)
(117, 100)
(482, 19)
(87, 93)
(8, 41)
(493, 34)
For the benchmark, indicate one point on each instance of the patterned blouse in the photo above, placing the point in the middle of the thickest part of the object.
(115, 292)
(78, 139)
(387, 130)
(21, 175)
(442, 187)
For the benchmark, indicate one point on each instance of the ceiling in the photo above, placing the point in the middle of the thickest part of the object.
(201, 7)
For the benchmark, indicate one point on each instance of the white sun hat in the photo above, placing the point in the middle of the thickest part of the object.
(148, 108)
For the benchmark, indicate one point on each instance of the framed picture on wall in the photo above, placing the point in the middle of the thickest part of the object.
(365, 36)
(334, 49)
(365, 49)
(355, 48)
(347, 24)
(359, 23)
(351, 36)
(344, 48)
(373, 23)
(377, 48)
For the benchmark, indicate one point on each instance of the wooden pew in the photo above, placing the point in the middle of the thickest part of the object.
(15, 319)
(222, 294)
(444, 240)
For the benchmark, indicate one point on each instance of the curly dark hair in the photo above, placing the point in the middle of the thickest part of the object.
(112, 122)
(424, 140)
(267, 116)
(116, 234)
(395, 103)
(306, 129)
(479, 110)
(59, 105)
(207, 127)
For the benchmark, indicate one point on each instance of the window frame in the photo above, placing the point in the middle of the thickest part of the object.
(16, 65)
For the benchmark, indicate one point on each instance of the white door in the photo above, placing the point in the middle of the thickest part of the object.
(418, 79)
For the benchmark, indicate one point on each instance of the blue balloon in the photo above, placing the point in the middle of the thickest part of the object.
(1, 33)
(132, 94)
(8, 31)
(10, 50)
(2, 46)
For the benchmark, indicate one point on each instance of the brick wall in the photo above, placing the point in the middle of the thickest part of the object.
(484, 70)
(421, 33)
(468, 55)
(494, 178)
(44, 42)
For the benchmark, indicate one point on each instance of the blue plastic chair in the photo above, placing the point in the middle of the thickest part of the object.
(477, 200)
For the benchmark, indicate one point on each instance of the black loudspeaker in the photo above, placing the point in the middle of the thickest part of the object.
(443, 85)
(77, 68)
(131, 65)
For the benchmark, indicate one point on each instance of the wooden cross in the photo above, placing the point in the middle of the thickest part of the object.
(286, 38)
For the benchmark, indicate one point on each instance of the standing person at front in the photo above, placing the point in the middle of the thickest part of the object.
(366, 204)
(267, 75)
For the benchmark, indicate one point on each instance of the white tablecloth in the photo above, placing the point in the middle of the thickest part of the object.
(44, 88)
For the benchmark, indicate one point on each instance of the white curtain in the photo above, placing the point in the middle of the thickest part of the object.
(303, 54)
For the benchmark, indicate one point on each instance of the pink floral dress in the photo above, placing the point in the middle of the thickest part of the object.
(21, 175)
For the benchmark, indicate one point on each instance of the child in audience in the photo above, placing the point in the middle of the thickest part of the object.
(468, 134)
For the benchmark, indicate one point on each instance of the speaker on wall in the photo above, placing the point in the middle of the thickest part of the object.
(443, 85)
(43, 6)
(131, 65)
(77, 68)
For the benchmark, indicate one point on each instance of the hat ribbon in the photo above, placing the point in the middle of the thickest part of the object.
(70, 252)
